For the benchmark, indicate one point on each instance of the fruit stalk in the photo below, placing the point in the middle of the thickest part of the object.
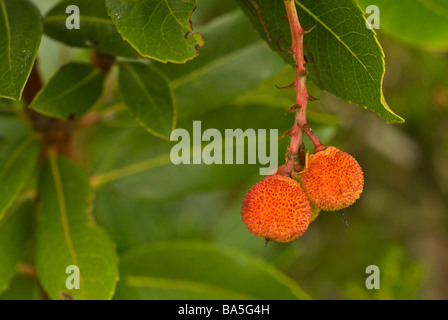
(302, 96)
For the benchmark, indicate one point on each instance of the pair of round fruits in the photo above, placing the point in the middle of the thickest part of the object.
(280, 208)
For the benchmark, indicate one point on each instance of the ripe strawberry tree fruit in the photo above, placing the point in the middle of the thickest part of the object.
(332, 179)
(276, 208)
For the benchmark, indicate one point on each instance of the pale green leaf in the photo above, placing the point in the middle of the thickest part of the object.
(66, 235)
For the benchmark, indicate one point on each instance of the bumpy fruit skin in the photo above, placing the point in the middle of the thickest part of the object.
(333, 179)
(276, 208)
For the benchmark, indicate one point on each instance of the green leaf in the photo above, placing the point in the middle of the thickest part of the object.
(96, 30)
(72, 90)
(67, 235)
(157, 29)
(149, 97)
(196, 270)
(344, 56)
(421, 23)
(20, 35)
(228, 65)
(15, 230)
(17, 161)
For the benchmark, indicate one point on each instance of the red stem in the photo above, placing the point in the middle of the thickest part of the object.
(302, 96)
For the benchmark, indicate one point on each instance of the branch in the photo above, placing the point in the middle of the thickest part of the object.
(302, 96)
(102, 61)
(26, 269)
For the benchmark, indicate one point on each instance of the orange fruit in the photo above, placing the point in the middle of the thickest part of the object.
(276, 208)
(332, 180)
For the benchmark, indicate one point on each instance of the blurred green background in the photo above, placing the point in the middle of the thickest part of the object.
(398, 224)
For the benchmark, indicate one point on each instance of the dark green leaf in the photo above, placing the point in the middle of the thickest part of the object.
(148, 95)
(20, 34)
(17, 161)
(344, 56)
(67, 235)
(195, 270)
(157, 29)
(422, 23)
(96, 30)
(15, 230)
(72, 90)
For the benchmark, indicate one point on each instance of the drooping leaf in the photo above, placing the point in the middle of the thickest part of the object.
(344, 57)
(149, 97)
(20, 35)
(196, 270)
(421, 23)
(17, 161)
(231, 63)
(72, 90)
(157, 29)
(96, 30)
(15, 231)
(67, 236)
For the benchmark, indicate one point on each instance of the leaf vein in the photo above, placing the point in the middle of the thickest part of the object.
(62, 206)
